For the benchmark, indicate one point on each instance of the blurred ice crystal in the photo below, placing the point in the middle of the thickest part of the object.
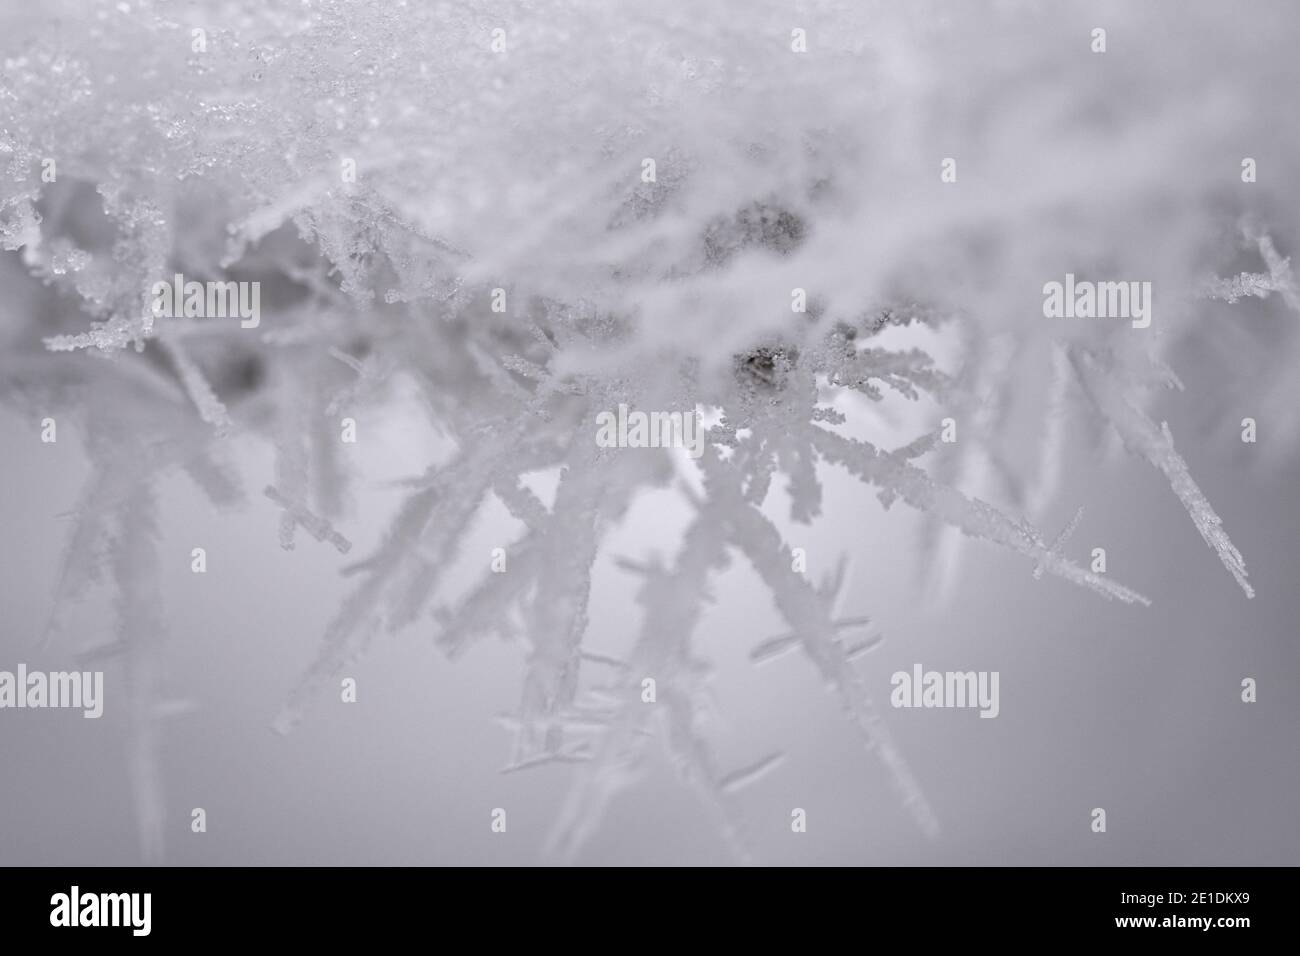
(514, 162)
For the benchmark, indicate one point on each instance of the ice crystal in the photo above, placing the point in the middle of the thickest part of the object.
(513, 174)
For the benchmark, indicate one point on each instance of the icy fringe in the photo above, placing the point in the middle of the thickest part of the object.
(776, 419)
(115, 526)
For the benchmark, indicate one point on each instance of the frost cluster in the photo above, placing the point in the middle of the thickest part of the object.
(455, 199)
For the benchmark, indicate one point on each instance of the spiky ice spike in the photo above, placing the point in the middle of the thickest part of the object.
(398, 579)
(210, 408)
(134, 561)
(897, 477)
(1141, 436)
(809, 614)
(673, 601)
(594, 492)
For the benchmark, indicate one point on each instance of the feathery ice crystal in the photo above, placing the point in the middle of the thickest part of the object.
(535, 212)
